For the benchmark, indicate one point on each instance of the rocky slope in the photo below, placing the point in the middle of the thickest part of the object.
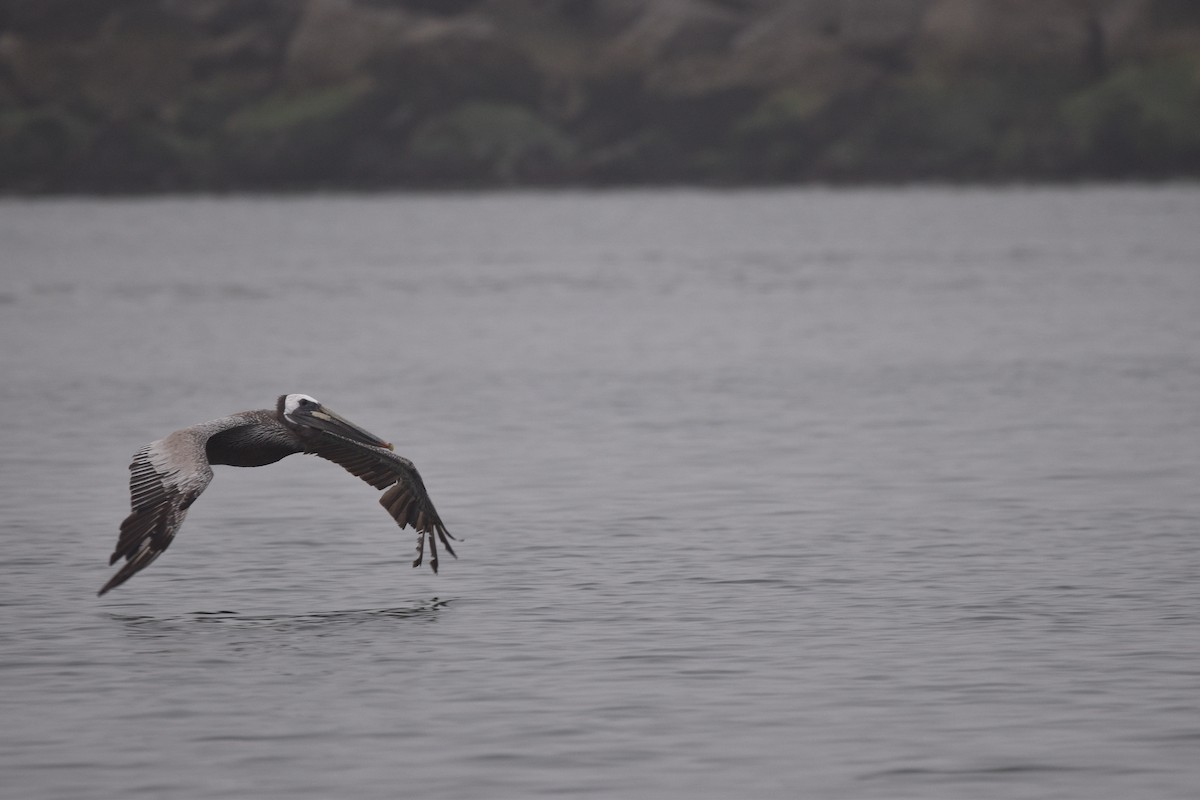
(170, 95)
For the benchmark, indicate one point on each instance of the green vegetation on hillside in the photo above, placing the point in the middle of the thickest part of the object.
(149, 95)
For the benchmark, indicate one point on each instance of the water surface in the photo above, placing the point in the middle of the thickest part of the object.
(842, 494)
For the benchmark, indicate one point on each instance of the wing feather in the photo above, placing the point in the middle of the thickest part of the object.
(406, 499)
(166, 476)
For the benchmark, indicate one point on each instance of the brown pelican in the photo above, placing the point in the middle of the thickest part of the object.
(169, 474)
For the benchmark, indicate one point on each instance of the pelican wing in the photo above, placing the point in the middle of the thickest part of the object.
(166, 477)
(405, 499)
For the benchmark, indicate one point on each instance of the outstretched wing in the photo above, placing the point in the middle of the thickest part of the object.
(166, 477)
(405, 499)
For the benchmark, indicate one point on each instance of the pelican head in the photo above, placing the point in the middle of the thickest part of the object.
(299, 411)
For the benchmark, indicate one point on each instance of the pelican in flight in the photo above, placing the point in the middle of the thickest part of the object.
(168, 475)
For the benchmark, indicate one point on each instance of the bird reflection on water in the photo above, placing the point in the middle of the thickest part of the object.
(146, 625)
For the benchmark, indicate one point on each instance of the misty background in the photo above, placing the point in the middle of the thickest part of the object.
(177, 95)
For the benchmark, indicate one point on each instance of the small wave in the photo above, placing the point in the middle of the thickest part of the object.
(961, 773)
(190, 292)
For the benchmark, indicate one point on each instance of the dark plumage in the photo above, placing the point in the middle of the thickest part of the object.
(167, 475)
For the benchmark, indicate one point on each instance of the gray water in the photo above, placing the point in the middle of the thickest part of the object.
(830, 494)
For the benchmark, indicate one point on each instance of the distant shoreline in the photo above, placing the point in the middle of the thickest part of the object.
(117, 97)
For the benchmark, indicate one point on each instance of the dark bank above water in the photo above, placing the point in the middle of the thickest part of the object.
(167, 95)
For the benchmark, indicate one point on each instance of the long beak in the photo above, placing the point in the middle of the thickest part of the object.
(325, 420)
